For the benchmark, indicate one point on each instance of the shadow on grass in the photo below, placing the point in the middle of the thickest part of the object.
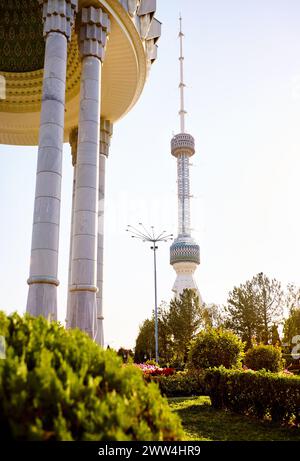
(201, 422)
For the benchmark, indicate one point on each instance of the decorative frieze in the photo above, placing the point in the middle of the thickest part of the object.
(59, 16)
(146, 12)
(95, 27)
(142, 14)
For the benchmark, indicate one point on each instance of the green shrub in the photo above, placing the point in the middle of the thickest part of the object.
(214, 348)
(260, 394)
(182, 384)
(59, 385)
(264, 357)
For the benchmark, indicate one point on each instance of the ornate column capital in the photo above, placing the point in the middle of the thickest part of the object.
(59, 16)
(106, 132)
(94, 29)
(73, 140)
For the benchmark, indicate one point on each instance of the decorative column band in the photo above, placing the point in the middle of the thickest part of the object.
(105, 137)
(48, 280)
(59, 16)
(95, 26)
(90, 288)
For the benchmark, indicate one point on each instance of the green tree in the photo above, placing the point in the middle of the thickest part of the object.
(269, 301)
(241, 312)
(254, 307)
(292, 299)
(185, 318)
(291, 340)
(213, 316)
(145, 342)
(291, 326)
(125, 354)
(275, 336)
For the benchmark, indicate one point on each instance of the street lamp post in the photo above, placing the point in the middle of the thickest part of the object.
(151, 236)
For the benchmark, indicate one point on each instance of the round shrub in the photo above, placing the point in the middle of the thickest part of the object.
(56, 384)
(215, 347)
(264, 357)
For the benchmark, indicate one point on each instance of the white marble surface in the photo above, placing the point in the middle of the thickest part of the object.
(100, 251)
(45, 236)
(84, 249)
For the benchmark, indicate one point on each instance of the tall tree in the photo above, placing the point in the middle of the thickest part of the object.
(275, 338)
(254, 307)
(292, 298)
(269, 300)
(291, 327)
(213, 316)
(291, 331)
(125, 354)
(184, 321)
(242, 314)
(145, 342)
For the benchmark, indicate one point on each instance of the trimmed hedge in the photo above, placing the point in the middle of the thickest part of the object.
(215, 347)
(260, 394)
(264, 357)
(56, 384)
(182, 384)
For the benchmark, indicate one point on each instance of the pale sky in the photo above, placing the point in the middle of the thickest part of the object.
(242, 69)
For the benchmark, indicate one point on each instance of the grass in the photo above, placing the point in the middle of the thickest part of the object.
(202, 422)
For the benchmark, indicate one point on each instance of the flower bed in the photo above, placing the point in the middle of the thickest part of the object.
(154, 370)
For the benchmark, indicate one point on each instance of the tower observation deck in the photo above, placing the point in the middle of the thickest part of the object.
(184, 252)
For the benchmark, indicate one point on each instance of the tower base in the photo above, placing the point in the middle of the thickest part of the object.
(185, 278)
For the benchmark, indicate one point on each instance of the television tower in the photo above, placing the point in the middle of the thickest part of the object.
(184, 252)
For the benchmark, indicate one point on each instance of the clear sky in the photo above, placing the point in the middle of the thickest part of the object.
(243, 97)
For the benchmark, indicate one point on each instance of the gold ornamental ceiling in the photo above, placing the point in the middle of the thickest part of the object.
(128, 58)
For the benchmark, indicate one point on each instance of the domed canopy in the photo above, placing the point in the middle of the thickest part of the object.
(130, 51)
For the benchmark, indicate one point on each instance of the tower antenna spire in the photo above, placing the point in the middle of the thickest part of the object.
(182, 111)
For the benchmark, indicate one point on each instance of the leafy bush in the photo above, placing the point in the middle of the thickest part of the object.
(260, 394)
(177, 364)
(267, 357)
(59, 385)
(214, 348)
(182, 384)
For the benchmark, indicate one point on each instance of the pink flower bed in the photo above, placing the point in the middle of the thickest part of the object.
(153, 370)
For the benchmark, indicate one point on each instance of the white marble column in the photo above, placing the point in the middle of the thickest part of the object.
(73, 139)
(93, 36)
(58, 18)
(105, 137)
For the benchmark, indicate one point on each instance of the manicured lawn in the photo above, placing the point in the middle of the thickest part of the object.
(202, 422)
